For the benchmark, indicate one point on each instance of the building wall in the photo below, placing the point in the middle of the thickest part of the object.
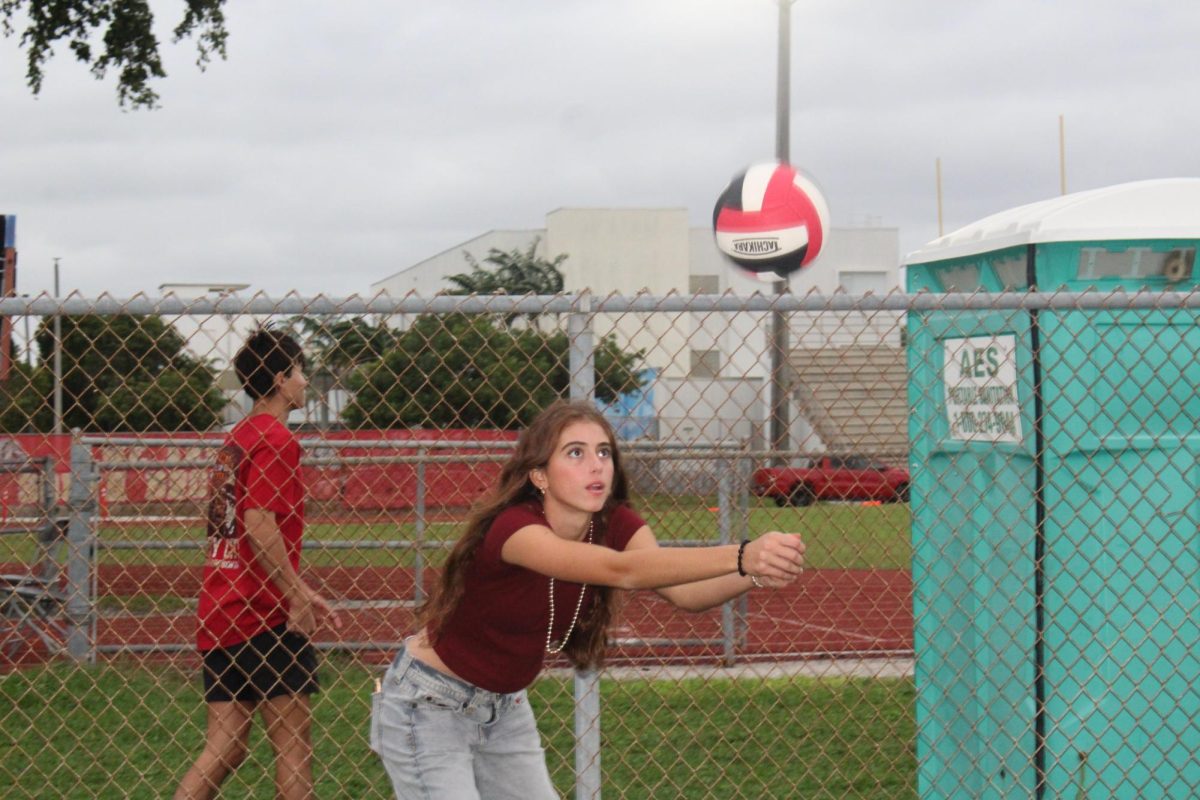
(216, 338)
(624, 251)
(702, 412)
(428, 277)
(854, 260)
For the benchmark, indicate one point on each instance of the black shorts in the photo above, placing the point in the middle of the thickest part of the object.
(273, 663)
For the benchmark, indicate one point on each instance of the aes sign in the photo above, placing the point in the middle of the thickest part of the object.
(980, 376)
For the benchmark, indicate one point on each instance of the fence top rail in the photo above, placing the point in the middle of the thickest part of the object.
(584, 302)
(314, 443)
(665, 453)
(218, 438)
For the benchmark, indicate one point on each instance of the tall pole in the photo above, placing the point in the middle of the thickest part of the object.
(783, 82)
(58, 404)
(780, 408)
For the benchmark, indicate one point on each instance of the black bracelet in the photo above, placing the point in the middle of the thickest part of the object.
(741, 552)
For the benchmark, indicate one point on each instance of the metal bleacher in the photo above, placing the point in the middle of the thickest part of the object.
(32, 603)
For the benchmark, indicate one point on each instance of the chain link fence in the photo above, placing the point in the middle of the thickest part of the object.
(1008, 480)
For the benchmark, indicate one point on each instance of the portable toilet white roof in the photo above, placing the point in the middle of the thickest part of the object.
(1167, 208)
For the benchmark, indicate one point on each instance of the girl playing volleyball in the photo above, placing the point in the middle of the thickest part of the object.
(532, 575)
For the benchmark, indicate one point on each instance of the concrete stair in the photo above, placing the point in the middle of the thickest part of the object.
(855, 397)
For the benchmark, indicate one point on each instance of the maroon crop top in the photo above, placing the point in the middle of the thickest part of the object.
(496, 638)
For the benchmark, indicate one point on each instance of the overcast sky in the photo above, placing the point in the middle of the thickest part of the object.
(341, 142)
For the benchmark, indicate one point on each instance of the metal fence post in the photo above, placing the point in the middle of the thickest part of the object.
(587, 735)
(724, 521)
(419, 549)
(743, 468)
(582, 354)
(81, 504)
(581, 366)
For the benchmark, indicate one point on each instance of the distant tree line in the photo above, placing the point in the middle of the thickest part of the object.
(119, 373)
(460, 370)
(129, 373)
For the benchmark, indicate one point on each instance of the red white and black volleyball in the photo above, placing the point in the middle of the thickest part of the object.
(771, 220)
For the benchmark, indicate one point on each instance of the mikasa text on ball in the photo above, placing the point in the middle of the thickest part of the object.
(771, 220)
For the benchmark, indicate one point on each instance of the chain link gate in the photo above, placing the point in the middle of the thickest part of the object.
(806, 691)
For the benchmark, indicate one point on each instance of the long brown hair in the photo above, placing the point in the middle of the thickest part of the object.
(534, 448)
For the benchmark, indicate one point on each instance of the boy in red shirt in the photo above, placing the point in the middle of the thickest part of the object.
(256, 615)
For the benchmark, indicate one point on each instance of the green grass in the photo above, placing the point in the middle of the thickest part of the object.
(141, 604)
(752, 738)
(847, 536)
(131, 731)
(838, 535)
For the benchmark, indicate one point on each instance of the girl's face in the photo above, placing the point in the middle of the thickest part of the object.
(579, 474)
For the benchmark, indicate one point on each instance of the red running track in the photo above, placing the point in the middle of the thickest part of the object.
(825, 613)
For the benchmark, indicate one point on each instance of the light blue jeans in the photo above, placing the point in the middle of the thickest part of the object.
(443, 739)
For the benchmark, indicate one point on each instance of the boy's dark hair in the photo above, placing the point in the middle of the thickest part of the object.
(265, 354)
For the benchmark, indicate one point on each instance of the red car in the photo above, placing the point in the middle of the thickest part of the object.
(832, 478)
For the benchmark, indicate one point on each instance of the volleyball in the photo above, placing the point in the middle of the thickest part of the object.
(771, 220)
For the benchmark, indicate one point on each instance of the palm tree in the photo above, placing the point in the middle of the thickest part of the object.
(511, 272)
(335, 349)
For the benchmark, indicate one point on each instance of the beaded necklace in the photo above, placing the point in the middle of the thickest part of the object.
(551, 647)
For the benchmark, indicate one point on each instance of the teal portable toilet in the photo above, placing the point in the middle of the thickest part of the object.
(1055, 459)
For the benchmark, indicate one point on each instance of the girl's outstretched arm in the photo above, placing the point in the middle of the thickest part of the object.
(774, 555)
(705, 594)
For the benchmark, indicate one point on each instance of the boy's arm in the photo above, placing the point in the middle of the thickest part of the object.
(306, 607)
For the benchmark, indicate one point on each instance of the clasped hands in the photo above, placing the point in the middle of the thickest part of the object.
(775, 558)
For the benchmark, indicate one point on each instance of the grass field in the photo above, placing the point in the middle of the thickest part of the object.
(130, 731)
(843, 536)
(839, 536)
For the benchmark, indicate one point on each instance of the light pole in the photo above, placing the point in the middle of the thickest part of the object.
(783, 81)
(58, 401)
(780, 406)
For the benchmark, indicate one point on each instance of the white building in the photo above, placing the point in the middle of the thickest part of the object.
(216, 339)
(619, 250)
(707, 360)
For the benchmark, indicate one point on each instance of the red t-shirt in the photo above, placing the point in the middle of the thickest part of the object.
(496, 637)
(257, 468)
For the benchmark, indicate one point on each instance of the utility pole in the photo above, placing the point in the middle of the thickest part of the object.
(58, 401)
(780, 403)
